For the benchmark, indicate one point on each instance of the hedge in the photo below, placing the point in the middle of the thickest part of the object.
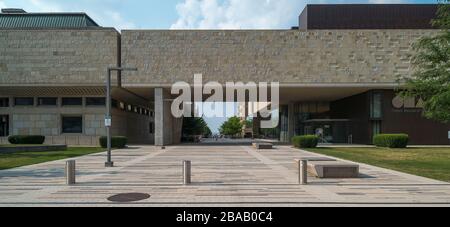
(33, 139)
(391, 140)
(309, 141)
(116, 141)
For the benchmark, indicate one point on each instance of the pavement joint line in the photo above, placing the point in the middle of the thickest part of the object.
(50, 190)
(319, 192)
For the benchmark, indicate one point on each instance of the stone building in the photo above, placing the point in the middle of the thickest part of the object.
(338, 79)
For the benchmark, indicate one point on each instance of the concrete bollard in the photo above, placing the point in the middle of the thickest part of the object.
(186, 172)
(302, 171)
(70, 172)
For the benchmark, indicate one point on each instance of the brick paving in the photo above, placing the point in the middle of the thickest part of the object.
(221, 175)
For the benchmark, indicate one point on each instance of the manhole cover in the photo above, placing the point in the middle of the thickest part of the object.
(128, 197)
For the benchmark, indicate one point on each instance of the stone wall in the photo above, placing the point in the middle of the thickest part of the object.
(288, 56)
(64, 57)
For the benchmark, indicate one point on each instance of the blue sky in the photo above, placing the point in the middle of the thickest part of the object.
(186, 14)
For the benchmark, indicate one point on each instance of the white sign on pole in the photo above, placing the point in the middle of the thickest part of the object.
(108, 122)
(449, 135)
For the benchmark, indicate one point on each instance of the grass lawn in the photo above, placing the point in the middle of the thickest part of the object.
(427, 162)
(12, 160)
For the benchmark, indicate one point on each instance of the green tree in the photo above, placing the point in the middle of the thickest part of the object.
(431, 79)
(195, 126)
(232, 127)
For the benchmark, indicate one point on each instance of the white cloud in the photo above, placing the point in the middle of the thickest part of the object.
(45, 6)
(100, 11)
(238, 14)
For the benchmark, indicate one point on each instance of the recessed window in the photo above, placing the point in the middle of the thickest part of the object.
(4, 102)
(376, 106)
(47, 101)
(72, 101)
(96, 102)
(4, 125)
(72, 124)
(23, 101)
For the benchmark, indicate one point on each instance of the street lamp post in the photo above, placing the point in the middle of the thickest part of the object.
(108, 119)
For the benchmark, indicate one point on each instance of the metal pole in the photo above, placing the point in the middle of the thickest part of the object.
(109, 162)
(70, 172)
(303, 171)
(186, 172)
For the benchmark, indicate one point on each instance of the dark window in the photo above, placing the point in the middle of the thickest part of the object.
(47, 101)
(4, 125)
(24, 101)
(72, 101)
(72, 124)
(376, 106)
(152, 128)
(96, 102)
(4, 102)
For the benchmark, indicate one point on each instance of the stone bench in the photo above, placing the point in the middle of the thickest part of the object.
(263, 146)
(333, 169)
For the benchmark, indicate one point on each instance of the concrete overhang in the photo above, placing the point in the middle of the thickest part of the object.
(293, 92)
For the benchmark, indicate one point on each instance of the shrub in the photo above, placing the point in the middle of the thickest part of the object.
(116, 141)
(309, 141)
(26, 139)
(391, 140)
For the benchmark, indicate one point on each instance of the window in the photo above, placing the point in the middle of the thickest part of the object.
(4, 102)
(96, 102)
(376, 106)
(47, 101)
(23, 101)
(72, 124)
(72, 101)
(4, 125)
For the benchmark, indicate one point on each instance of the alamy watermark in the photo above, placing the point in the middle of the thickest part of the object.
(255, 97)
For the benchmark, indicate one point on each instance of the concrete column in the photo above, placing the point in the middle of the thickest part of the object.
(159, 117)
(167, 128)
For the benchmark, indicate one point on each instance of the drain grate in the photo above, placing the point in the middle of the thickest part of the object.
(128, 197)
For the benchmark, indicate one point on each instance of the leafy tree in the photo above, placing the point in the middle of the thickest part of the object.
(195, 126)
(232, 127)
(431, 80)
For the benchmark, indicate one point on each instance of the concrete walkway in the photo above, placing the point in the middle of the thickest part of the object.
(222, 176)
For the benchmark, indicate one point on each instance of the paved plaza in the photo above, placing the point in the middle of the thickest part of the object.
(221, 175)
